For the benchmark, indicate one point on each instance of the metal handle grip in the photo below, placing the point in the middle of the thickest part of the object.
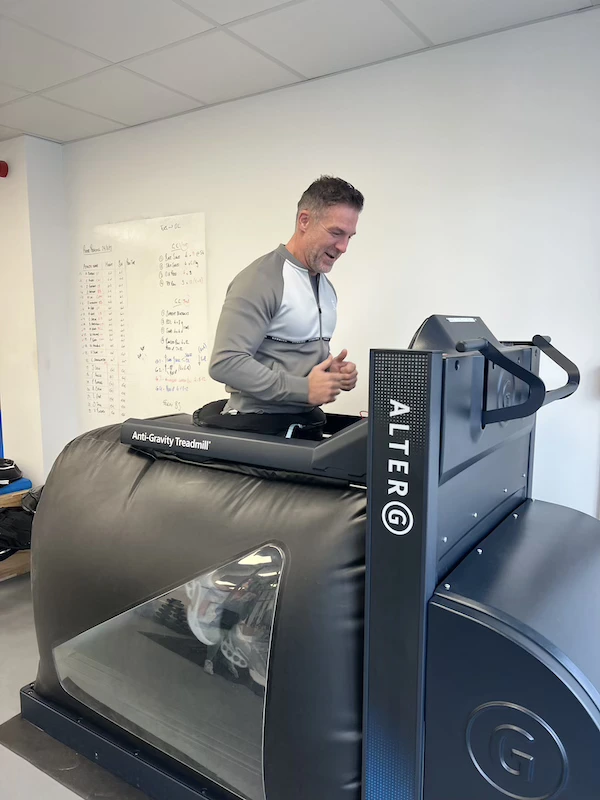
(573, 374)
(538, 396)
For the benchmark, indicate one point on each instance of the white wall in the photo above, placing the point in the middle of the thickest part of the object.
(38, 393)
(19, 388)
(481, 174)
(54, 296)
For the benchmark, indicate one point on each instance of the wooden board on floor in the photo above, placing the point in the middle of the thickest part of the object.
(19, 564)
(12, 499)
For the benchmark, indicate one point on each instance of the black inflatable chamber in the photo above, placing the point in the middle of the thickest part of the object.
(120, 541)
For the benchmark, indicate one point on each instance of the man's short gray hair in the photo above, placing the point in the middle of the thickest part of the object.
(328, 191)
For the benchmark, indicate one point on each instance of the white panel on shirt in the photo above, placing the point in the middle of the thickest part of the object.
(297, 319)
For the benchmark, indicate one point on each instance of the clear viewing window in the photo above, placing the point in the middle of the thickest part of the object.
(188, 671)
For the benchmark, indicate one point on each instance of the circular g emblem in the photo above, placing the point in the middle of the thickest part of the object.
(517, 752)
(397, 518)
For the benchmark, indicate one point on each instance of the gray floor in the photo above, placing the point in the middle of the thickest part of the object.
(19, 780)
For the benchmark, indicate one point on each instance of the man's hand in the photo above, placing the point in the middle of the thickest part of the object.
(346, 369)
(323, 385)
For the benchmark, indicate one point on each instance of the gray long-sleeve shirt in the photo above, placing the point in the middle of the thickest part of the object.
(275, 326)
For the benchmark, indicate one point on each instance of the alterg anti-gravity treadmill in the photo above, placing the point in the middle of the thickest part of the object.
(230, 618)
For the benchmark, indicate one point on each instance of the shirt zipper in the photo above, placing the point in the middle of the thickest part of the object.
(319, 307)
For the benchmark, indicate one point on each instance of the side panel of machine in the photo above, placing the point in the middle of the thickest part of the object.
(539, 569)
(503, 718)
(468, 501)
(403, 469)
(484, 469)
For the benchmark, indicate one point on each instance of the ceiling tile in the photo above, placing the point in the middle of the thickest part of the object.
(113, 29)
(8, 133)
(213, 67)
(52, 121)
(120, 95)
(7, 93)
(224, 11)
(322, 36)
(34, 62)
(444, 21)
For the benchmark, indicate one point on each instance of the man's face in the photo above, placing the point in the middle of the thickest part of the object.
(327, 237)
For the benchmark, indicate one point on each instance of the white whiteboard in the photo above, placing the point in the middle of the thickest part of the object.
(143, 318)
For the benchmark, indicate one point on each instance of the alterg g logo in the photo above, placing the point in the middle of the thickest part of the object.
(395, 515)
(517, 752)
(397, 518)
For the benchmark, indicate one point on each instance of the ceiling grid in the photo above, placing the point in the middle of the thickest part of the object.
(72, 69)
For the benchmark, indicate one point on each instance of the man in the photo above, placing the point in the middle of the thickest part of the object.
(272, 341)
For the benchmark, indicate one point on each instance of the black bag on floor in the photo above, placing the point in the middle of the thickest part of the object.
(16, 524)
(15, 529)
(32, 498)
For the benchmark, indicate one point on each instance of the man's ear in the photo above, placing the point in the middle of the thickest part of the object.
(303, 220)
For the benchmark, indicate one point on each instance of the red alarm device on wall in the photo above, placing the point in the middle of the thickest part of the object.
(3, 169)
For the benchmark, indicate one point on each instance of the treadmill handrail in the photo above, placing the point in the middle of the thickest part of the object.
(538, 395)
(573, 374)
